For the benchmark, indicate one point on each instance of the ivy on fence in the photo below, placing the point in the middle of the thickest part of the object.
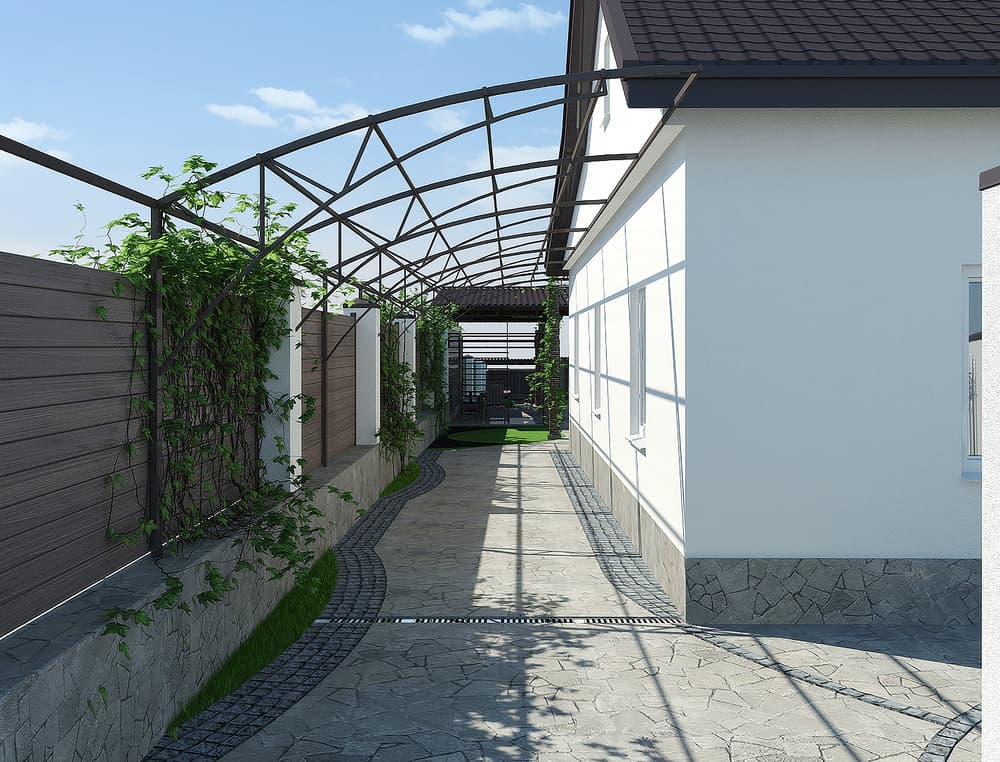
(214, 395)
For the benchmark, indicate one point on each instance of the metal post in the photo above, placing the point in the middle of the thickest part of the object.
(154, 330)
(323, 365)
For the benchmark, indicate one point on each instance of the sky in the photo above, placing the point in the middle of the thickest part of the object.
(117, 87)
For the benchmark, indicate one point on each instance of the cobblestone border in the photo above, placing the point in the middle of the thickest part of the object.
(355, 603)
(630, 575)
(950, 736)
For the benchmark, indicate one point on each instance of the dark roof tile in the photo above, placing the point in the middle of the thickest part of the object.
(821, 31)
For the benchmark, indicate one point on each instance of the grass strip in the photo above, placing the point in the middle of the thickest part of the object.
(282, 627)
(406, 477)
(499, 435)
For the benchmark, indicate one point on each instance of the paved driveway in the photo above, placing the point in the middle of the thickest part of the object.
(516, 534)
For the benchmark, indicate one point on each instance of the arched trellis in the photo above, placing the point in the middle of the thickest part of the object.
(519, 242)
(515, 247)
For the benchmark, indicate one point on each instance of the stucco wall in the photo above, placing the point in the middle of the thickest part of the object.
(50, 668)
(824, 312)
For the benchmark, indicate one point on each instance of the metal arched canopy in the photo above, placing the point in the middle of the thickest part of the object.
(519, 232)
(516, 243)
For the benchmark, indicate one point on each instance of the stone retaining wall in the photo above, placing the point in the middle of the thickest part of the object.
(49, 669)
(834, 590)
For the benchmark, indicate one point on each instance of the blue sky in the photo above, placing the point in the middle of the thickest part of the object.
(117, 87)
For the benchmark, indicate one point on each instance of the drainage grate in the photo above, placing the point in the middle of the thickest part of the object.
(626, 620)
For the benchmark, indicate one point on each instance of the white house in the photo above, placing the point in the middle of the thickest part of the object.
(772, 320)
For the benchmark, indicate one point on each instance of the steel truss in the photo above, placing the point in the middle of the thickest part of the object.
(516, 246)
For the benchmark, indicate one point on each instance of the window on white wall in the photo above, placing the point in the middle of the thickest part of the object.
(576, 356)
(637, 352)
(598, 365)
(973, 377)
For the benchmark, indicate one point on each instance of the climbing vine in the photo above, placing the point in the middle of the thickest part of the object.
(433, 324)
(214, 393)
(546, 381)
(399, 431)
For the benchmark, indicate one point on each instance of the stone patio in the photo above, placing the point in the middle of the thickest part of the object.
(515, 533)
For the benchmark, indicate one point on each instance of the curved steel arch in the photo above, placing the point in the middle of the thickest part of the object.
(444, 263)
(381, 256)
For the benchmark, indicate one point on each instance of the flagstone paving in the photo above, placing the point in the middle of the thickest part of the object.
(516, 533)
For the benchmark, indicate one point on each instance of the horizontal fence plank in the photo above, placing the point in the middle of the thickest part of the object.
(48, 273)
(30, 423)
(21, 301)
(66, 361)
(20, 393)
(73, 533)
(35, 454)
(51, 332)
(92, 494)
(55, 476)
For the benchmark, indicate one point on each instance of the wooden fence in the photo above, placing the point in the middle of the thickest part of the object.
(331, 430)
(65, 380)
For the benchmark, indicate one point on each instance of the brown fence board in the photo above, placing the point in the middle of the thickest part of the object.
(51, 332)
(24, 301)
(30, 423)
(36, 272)
(24, 455)
(340, 412)
(92, 495)
(63, 361)
(21, 393)
(54, 476)
(65, 377)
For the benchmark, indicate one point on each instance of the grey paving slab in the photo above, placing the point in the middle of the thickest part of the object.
(518, 532)
(499, 537)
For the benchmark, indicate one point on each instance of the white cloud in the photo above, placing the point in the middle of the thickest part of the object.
(326, 118)
(32, 133)
(287, 100)
(24, 131)
(239, 112)
(303, 112)
(482, 18)
(445, 120)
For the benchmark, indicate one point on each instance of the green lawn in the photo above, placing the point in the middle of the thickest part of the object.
(280, 629)
(498, 435)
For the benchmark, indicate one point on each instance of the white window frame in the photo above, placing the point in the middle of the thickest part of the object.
(576, 357)
(972, 465)
(597, 398)
(637, 361)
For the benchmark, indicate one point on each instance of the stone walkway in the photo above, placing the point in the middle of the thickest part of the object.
(512, 551)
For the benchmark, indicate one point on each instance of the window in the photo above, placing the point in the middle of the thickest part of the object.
(606, 64)
(973, 380)
(637, 353)
(576, 356)
(598, 368)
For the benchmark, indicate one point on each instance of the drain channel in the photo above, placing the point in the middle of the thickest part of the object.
(627, 620)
